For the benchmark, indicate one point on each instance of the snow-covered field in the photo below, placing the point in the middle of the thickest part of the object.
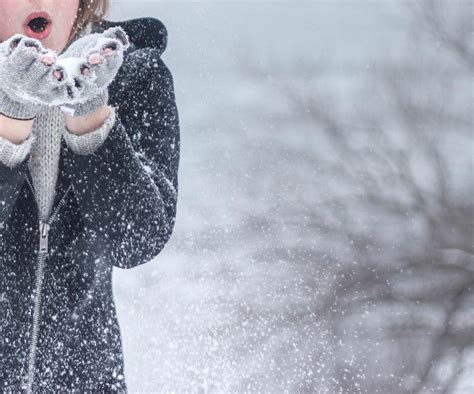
(232, 303)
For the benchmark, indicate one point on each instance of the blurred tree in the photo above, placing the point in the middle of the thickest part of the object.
(389, 191)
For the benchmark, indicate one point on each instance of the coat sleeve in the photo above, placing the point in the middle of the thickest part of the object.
(127, 188)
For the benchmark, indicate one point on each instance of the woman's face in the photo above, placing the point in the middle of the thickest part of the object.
(60, 15)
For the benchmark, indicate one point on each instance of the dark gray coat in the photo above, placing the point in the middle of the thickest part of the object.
(115, 207)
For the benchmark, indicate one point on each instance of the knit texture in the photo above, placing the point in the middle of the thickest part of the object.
(89, 106)
(26, 84)
(44, 161)
(44, 144)
(12, 154)
(87, 144)
(16, 110)
(25, 81)
(85, 93)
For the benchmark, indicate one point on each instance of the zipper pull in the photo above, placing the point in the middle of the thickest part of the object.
(44, 229)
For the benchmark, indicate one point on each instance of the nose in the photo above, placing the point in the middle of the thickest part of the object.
(35, 3)
(41, 5)
(45, 2)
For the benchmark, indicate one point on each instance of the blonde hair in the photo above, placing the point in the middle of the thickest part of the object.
(88, 11)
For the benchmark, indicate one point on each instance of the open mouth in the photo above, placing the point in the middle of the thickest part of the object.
(38, 25)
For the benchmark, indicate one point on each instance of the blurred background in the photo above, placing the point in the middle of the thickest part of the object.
(324, 237)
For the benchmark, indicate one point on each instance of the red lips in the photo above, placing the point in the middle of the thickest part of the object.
(38, 25)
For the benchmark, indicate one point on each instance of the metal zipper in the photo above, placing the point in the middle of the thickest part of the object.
(42, 253)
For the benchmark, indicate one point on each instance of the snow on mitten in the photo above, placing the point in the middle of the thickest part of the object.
(26, 74)
(86, 69)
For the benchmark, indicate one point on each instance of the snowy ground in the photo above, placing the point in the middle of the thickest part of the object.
(219, 310)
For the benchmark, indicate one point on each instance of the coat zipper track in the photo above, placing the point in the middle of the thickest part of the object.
(42, 253)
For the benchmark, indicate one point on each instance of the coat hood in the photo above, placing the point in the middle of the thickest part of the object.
(143, 32)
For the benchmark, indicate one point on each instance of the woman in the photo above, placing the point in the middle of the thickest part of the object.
(89, 156)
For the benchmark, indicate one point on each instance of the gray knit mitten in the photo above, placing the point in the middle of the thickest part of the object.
(87, 68)
(26, 77)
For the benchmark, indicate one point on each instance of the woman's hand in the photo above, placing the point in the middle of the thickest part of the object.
(85, 70)
(80, 125)
(26, 77)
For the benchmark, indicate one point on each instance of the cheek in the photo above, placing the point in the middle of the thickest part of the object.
(66, 14)
(63, 20)
(9, 10)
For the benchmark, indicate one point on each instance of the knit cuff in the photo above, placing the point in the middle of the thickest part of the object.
(16, 110)
(88, 143)
(89, 106)
(13, 154)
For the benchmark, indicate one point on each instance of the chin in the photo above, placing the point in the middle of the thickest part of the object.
(53, 44)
